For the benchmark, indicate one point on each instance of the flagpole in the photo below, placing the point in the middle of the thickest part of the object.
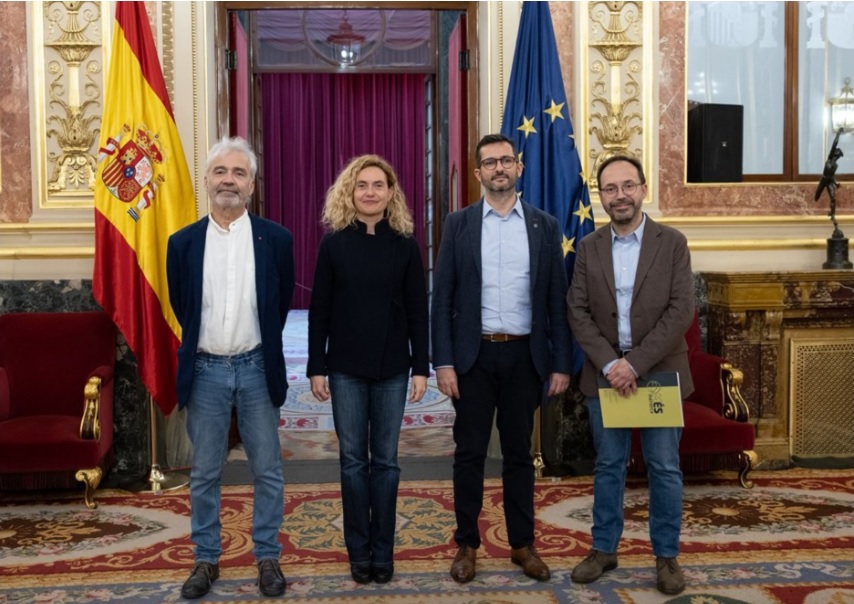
(157, 480)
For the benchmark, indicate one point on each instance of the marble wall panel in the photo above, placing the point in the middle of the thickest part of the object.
(563, 19)
(15, 171)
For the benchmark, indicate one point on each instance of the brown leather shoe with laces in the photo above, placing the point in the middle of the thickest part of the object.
(528, 558)
(592, 567)
(670, 580)
(463, 567)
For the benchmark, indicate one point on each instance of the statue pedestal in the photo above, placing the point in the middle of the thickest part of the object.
(837, 252)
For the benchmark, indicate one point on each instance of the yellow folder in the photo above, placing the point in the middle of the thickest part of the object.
(656, 404)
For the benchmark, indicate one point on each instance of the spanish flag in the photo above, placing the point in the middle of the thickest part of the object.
(143, 194)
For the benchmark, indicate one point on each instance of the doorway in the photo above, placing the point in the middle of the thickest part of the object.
(312, 87)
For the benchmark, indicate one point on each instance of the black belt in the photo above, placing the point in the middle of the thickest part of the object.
(622, 352)
(502, 337)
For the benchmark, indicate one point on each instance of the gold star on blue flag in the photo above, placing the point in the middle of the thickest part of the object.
(552, 180)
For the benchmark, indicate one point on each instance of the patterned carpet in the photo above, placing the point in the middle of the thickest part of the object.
(789, 540)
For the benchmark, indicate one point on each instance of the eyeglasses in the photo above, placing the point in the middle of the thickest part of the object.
(490, 163)
(612, 190)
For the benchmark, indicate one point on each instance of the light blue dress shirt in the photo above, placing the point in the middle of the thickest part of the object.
(506, 283)
(625, 252)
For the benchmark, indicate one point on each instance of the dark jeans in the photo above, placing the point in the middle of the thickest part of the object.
(368, 414)
(503, 379)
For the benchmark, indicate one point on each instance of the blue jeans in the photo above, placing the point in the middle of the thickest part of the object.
(220, 384)
(661, 456)
(367, 415)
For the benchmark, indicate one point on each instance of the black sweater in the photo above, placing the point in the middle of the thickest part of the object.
(368, 315)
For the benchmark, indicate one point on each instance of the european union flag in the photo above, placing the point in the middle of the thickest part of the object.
(536, 118)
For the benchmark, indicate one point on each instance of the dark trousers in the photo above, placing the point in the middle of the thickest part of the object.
(503, 379)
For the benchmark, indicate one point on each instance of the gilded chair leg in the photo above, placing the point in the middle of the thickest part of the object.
(91, 479)
(539, 465)
(746, 460)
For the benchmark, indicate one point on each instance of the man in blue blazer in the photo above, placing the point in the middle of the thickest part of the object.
(499, 333)
(231, 280)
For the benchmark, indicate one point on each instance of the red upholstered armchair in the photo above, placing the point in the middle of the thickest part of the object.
(56, 400)
(717, 434)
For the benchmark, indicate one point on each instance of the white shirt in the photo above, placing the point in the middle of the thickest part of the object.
(229, 322)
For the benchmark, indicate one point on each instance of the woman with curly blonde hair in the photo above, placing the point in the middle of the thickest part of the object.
(340, 211)
(367, 331)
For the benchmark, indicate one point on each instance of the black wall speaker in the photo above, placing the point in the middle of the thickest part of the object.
(715, 143)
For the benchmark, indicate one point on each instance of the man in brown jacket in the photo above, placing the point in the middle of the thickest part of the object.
(630, 302)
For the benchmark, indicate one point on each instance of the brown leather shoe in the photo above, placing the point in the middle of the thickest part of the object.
(670, 580)
(462, 570)
(528, 558)
(592, 567)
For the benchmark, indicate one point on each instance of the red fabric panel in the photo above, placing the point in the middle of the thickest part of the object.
(46, 443)
(457, 122)
(4, 395)
(707, 432)
(314, 123)
(242, 78)
(708, 390)
(48, 359)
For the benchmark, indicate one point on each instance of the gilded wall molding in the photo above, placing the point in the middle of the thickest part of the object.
(167, 29)
(501, 87)
(70, 44)
(614, 74)
(197, 38)
(68, 41)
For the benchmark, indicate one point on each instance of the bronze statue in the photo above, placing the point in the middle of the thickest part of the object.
(828, 181)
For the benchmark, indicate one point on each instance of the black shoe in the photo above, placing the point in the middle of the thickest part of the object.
(382, 574)
(271, 581)
(361, 573)
(201, 578)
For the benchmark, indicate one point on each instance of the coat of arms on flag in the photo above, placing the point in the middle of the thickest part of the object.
(131, 173)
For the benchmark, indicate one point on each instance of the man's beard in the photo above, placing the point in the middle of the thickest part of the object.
(509, 185)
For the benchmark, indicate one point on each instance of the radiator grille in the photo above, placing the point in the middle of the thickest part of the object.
(822, 392)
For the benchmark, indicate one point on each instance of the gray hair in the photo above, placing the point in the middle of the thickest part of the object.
(227, 145)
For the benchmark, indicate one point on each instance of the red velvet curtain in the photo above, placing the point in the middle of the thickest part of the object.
(313, 125)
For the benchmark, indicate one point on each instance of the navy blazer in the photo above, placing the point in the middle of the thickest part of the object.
(456, 309)
(274, 286)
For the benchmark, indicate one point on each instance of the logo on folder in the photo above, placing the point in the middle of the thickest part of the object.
(656, 404)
